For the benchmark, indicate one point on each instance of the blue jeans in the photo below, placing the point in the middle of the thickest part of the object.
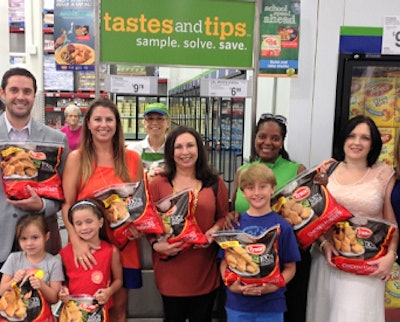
(238, 316)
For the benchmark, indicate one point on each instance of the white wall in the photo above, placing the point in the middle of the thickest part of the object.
(4, 42)
(312, 99)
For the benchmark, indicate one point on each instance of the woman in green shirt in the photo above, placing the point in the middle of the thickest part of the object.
(270, 150)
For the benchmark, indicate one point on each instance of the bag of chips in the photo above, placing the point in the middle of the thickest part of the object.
(31, 164)
(177, 214)
(251, 259)
(359, 240)
(128, 204)
(307, 205)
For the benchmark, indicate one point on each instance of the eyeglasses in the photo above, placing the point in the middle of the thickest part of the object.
(268, 116)
(154, 119)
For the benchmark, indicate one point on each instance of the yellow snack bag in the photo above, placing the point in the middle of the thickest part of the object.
(392, 290)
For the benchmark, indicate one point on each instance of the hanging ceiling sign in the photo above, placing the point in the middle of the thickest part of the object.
(225, 88)
(140, 85)
(174, 32)
(279, 38)
(74, 34)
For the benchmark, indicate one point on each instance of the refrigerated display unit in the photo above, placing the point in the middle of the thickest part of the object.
(131, 109)
(190, 111)
(219, 120)
(369, 84)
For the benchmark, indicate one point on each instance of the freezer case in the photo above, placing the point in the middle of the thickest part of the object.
(369, 84)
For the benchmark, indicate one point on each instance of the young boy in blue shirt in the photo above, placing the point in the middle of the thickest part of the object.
(261, 302)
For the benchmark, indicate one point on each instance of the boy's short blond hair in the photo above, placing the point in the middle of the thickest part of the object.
(256, 173)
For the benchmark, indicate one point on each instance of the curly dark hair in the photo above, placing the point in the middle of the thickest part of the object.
(283, 128)
(204, 171)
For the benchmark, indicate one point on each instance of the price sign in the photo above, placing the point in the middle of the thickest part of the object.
(224, 88)
(391, 35)
(131, 85)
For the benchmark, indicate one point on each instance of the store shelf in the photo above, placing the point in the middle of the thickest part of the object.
(48, 30)
(60, 109)
(74, 95)
(17, 30)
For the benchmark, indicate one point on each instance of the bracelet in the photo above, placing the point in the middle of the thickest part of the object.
(152, 244)
(321, 246)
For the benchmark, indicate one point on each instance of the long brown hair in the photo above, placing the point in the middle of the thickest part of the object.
(204, 171)
(87, 149)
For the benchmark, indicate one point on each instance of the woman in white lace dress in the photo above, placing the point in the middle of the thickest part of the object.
(364, 187)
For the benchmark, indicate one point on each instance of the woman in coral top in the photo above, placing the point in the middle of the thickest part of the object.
(102, 161)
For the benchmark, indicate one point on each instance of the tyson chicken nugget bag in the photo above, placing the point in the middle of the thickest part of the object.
(177, 213)
(307, 205)
(251, 259)
(360, 240)
(31, 164)
(129, 204)
(83, 308)
(24, 303)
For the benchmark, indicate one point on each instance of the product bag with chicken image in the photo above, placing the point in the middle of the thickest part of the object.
(359, 240)
(24, 303)
(31, 164)
(129, 204)
(177, 214)
(83, 308)
(251, 259)
(307, 205)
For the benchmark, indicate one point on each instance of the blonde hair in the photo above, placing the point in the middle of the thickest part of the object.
(256, 173)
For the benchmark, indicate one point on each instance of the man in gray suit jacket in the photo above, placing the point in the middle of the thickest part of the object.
(18, 90)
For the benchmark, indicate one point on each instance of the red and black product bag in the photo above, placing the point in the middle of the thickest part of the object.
(129, 204)
(177, 213)
(251, 259)
(31, 164)
(307, 205)
(83, 308)
(24, 303)
(360, 240)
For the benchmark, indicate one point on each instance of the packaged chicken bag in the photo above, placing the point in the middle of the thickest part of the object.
(24, 303)
(307, 205)
(392, 289)
(128, 204)
(31, 164)
(83, 308)
(359, 240)
(177, 214)
(251, 259)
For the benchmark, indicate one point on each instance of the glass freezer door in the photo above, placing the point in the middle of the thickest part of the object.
(370, 85)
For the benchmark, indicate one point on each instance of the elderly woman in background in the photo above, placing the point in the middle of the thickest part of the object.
(72, 129)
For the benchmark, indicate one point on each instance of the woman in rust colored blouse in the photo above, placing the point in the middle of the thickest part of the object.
(188, 280)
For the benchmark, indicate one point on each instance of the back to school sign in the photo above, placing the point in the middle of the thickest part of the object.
(212, 33)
